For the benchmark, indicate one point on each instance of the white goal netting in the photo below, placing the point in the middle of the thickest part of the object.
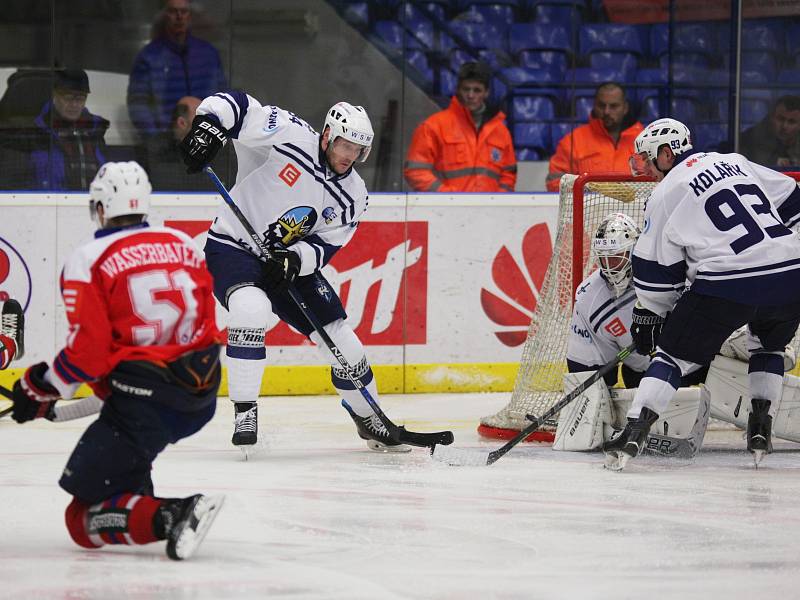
(584, 201)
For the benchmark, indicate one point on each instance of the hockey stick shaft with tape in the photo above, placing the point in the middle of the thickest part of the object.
(452, 458)
(397, 433)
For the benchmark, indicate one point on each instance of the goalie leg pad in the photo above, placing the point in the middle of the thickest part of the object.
(728, 384)
(581, 422)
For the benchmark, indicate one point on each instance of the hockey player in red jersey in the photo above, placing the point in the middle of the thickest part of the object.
(142, 334)
(12, 327)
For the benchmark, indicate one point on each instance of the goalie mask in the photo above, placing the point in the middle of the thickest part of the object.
(612, 246)
(662, 132)
(123, 188)
(350, 123)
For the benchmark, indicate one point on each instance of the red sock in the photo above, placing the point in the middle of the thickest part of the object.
(8, 348)
(122, 519)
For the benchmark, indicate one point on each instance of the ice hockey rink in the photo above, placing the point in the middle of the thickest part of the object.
(314, 514)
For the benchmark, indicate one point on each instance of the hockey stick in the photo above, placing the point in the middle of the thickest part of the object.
(456, 457)
(4, 391)
(67, 412)
(398, 434)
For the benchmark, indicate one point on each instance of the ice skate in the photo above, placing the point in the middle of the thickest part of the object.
(13, 325)
(187, 521)
(630, 442)
(759, 430)
(374, 433)
(245, 426)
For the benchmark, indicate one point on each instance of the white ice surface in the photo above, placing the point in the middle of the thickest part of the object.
(317, 515)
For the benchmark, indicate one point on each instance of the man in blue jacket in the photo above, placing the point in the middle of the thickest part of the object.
(175, 64)
(66, 143)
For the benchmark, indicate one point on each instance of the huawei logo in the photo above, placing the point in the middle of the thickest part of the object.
(517, 279)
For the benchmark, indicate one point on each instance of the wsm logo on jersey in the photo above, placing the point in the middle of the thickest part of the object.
(329, 215)
(292, 225)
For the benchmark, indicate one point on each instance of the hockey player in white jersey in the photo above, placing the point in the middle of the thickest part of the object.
(716, 253)
(299, 190)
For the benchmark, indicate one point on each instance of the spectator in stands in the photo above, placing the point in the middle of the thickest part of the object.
(164, 162)
(466, 147)
(66, 144)
(603, 145)
(775, 140)
(175, 64)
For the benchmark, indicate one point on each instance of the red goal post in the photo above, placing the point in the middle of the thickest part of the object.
(583, 202)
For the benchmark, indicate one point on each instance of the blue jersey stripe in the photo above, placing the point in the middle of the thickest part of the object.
(786, 265)
(613, 309)
(789, 211)
(282, 150)
(651, 271)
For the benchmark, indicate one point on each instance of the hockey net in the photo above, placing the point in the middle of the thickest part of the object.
(583, 202)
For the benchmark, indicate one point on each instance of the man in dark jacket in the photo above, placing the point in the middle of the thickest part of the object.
(67, 145)
(175, 64)
(775, 140)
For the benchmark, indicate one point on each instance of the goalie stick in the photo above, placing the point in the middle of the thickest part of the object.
(399, 433)
(457, 458)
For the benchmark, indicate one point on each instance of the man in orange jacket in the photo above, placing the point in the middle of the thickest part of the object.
(466, 147)
(603, 145)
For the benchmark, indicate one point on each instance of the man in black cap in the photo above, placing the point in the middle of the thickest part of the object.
(68, 146)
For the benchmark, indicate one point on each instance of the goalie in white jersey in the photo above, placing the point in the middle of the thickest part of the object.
(716, 253)
(300, 191)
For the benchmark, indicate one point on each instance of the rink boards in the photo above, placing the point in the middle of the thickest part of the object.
(440, 288)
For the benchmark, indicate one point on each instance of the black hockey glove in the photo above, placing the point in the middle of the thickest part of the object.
(202, 143)
(33, 396)
(281, 269)
(645, 329)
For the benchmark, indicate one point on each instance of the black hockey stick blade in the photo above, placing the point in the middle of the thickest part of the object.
(423, 440)
(456, 457)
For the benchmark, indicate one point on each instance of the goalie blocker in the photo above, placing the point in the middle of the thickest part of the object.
(597, 414)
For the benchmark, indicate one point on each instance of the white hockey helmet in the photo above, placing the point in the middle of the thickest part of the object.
(352, 124)
(612, 246)
(123, 188)
(660, 132)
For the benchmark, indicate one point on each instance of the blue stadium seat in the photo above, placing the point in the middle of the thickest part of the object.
(526, 154)
(535, 80)
(762, 62)
(418, 60)
(683, 61)
(496, 59)
(357, 14)
(657, 77)
(609, 37)
(532, 108)
(684, 109)
(583, 107)
(533, 135)
(435, 9)
(421, 36)
(543, 59)
(559, 129)
(479, 35)
(659, 39)
(390, 36)
(790, 77)
(499, 14)
(694, 38)
(763, 36)
(793, 41)
(536, 36)
(753, 110)
(458, 57)
(650, 110)
(707, 137)
(568, 14)
(448, 81)
(587, 75)
(625, 62)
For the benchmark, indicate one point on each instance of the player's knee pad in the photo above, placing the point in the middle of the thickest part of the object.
(76, 521)
(353, 351)
(249, 310)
